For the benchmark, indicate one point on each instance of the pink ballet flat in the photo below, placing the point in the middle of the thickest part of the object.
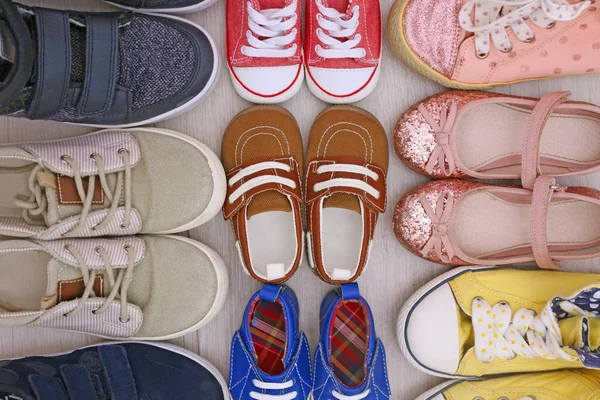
(456, 222)
(484, 135)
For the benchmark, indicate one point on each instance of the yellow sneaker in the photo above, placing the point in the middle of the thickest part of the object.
(484, 321)
(571, 384)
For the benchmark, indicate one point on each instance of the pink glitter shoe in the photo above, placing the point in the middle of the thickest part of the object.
(478, 44)
(456, 222)
(494, 136)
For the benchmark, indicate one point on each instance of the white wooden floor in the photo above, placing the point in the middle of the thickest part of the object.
(393, 273)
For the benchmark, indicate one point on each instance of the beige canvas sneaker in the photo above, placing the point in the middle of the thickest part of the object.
(144, 287)
(109, 183)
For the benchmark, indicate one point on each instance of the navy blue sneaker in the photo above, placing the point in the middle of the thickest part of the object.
(163, 6)
(270, 358)
(115, 69)
(350, 360)
(128, 371)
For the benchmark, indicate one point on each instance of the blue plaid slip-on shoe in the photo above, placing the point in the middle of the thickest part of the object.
(270, 358)
(163, 6)
(111, 70)
(350, 360)
(127, 371)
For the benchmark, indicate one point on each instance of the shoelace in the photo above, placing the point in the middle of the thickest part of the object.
(37, 204)
(493, 17)
(442, 153)
(361, 396)
(273, 386)
(271, 25)
(261, 180)
(337, 32)
(347, 182)
(498, 334)
(121, 284)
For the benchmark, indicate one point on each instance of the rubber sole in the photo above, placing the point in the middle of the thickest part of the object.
(407, 308)
(256, 99)
(361, 95)
(210, 85)
(412, 60)
(178, 10)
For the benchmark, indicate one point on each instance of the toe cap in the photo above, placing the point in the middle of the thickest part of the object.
(432, 331)
(432, 30)
(341, 82)
(267, 81)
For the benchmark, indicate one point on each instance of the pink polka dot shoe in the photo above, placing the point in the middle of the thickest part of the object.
(478, 44)
(460, 134)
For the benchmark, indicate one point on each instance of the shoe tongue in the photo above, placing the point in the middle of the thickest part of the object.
(268, 201)
(65, 283)
(343, 200)
(343, 6)
(63, 198)
(580, 333)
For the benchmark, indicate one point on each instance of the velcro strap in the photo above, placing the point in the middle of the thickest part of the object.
(53, 63)
(117, 372)
(230, 209)
(543, 189)
(101, 63)
(48, 387)
(78, 381)
(313, 178)
(530, 158)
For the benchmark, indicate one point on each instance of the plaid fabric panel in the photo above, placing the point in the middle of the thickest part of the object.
(267, 328)
(349, 343)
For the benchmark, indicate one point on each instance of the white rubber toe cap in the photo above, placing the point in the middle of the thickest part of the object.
(432, 331)
(267, 82)
(341, 82)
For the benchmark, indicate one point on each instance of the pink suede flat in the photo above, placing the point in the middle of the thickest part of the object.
(455, 222)
(485, 135)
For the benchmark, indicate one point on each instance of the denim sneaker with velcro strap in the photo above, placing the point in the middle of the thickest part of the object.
(163, 6)
(148, 371)
(116, 69)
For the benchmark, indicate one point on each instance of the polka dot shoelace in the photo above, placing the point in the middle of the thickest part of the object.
(499, 334)
(489, 20)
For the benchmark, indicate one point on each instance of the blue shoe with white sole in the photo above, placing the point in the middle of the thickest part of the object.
(270, 357)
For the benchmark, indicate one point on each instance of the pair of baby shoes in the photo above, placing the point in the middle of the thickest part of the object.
(270, 356)
(493, 136)
(344, 179)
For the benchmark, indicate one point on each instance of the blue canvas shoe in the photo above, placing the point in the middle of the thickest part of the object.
(270, 358)
(350, 360)
(113, 371)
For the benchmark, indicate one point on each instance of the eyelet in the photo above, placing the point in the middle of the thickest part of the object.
(66, 315)
(93, 156)
(482, 56)
(551, 26)
(531, 41)
(124, 322)
(478, 398)
(122, 150)
(97, 251)
(503, 398)
(63, 158)
(95, 311)
(123, 226)
(507, 50)
(127, 248)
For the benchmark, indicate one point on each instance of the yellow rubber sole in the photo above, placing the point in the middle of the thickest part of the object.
(412, 60)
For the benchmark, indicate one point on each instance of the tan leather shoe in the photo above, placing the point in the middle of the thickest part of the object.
(262, 156)
(347, 162)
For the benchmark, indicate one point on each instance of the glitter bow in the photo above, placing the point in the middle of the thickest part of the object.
(439, 226)
(442, 153)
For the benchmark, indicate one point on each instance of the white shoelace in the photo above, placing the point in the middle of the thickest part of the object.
(334, 26)
(274, 26)
(273, 386)
(497, 336)
(493, 17)
(261, 180)
(361, 396)
(347, 182)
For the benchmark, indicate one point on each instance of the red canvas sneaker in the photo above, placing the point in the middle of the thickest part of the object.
(342, 48)
(264, 49)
